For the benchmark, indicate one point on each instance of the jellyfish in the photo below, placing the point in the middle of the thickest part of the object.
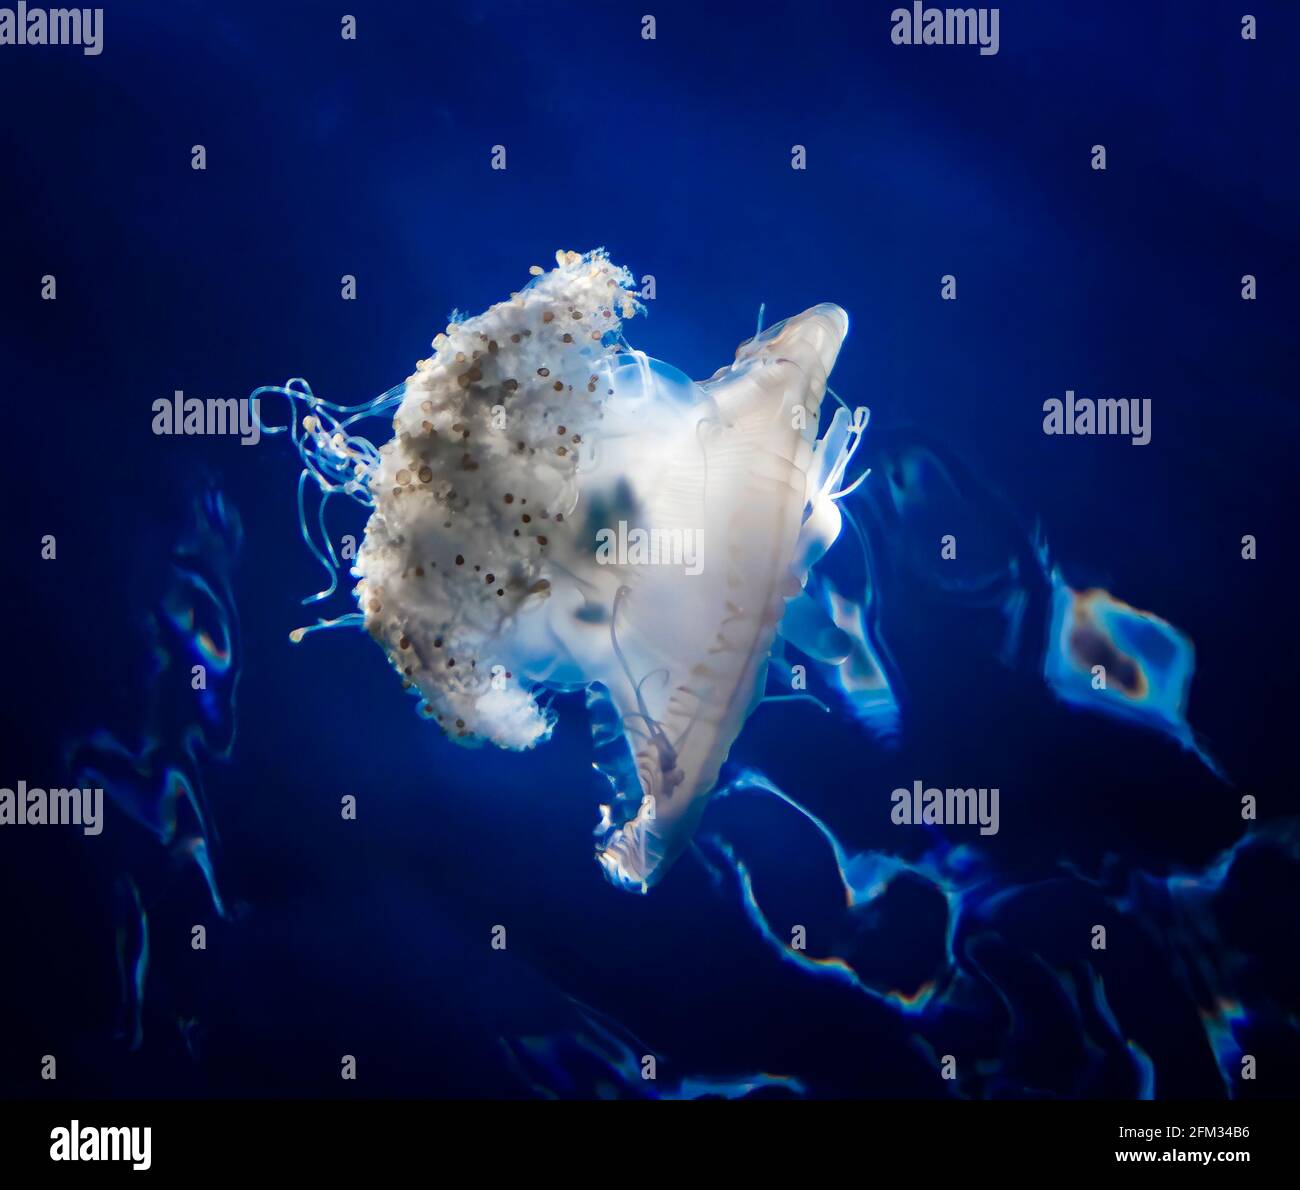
(557, 511)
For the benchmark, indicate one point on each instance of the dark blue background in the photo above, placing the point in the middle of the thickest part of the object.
(328, 157)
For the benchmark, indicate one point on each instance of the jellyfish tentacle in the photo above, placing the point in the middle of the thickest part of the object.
(667, 753)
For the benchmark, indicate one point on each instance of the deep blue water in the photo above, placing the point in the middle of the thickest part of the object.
(371, 157)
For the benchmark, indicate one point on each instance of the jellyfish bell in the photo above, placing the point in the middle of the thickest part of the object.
(689, 652)
(556, 510)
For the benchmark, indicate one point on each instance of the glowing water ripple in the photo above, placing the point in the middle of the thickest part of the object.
(599, 1059)
(189, 721)
(1179, 909)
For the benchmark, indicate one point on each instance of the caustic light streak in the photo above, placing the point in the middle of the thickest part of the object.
(600, 1059)
(154, 774)
(1095, 652)
(998, 967)
(1104, 654)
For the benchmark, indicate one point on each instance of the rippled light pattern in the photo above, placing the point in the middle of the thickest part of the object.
(155, 777)
(1106, 655)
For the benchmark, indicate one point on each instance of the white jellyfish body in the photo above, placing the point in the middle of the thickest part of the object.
(555, 510)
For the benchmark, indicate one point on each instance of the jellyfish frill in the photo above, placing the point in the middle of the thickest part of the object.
(557, 511)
